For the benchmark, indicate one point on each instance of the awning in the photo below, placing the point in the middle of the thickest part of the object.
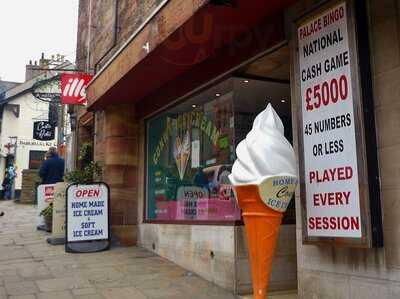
(183, 37)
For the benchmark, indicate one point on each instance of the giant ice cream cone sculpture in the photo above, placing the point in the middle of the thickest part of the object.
(264, 178)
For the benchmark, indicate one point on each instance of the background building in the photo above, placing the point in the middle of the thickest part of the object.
(20, 111)
(6, 85)
(177, 84)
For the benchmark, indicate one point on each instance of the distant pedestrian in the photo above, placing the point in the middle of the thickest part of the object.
(8, 182)
(52, 169)
(6, 186)
(46, 156)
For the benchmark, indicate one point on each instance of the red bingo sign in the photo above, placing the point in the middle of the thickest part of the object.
(73, 88)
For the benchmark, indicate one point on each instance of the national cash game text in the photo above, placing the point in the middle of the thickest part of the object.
(330, 158)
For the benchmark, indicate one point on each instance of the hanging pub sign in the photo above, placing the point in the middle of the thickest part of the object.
(48, 89)
(43, 131)
(333, 168)
(87, 220)
(73, 88)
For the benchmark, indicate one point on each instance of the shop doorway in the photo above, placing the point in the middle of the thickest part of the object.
(267, 80)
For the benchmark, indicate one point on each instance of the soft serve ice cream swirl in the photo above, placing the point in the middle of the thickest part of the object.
(265, 151)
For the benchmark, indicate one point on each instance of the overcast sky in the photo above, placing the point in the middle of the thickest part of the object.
(30, 27)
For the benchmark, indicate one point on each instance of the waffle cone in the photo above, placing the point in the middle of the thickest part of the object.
(262, 228)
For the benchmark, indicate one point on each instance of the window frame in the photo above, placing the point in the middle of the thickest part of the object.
(30, 158)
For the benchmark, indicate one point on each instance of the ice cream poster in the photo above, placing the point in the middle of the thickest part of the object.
(179, 127)
(182, 184)
(182, 153)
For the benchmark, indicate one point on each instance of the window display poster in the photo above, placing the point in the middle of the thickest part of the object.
(329, 134)
(181, 185)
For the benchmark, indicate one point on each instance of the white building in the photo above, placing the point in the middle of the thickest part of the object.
(19, 110)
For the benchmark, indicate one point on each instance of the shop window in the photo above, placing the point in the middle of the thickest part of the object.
(35, 159)
(190, 155)
(191, 149)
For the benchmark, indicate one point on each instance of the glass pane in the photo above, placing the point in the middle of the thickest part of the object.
(190, 155)
(252, 97)
(36, 159)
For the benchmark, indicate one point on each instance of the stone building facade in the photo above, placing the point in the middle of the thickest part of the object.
(143, 68)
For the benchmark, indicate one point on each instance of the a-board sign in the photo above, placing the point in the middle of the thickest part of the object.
(87, 225)
(333, 166)
(45, 195)
(59, 211)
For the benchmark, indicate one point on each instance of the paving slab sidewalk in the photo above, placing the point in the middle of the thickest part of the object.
(31, 268)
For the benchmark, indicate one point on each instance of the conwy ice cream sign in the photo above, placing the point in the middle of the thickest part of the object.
(333, 169)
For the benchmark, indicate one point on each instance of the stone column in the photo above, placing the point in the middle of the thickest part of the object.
(120, 170)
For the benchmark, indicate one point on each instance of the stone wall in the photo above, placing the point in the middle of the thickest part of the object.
(208, 251)
(101, 33)
(219, 253)
(107, 32)
(332, 272)
(30, 179)
(119, 146)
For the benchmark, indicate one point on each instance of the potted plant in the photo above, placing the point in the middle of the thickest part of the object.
(88, 171)
(86, 175)
(47, 214)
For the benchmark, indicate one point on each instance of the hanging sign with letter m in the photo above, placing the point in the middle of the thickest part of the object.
(73, 88)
